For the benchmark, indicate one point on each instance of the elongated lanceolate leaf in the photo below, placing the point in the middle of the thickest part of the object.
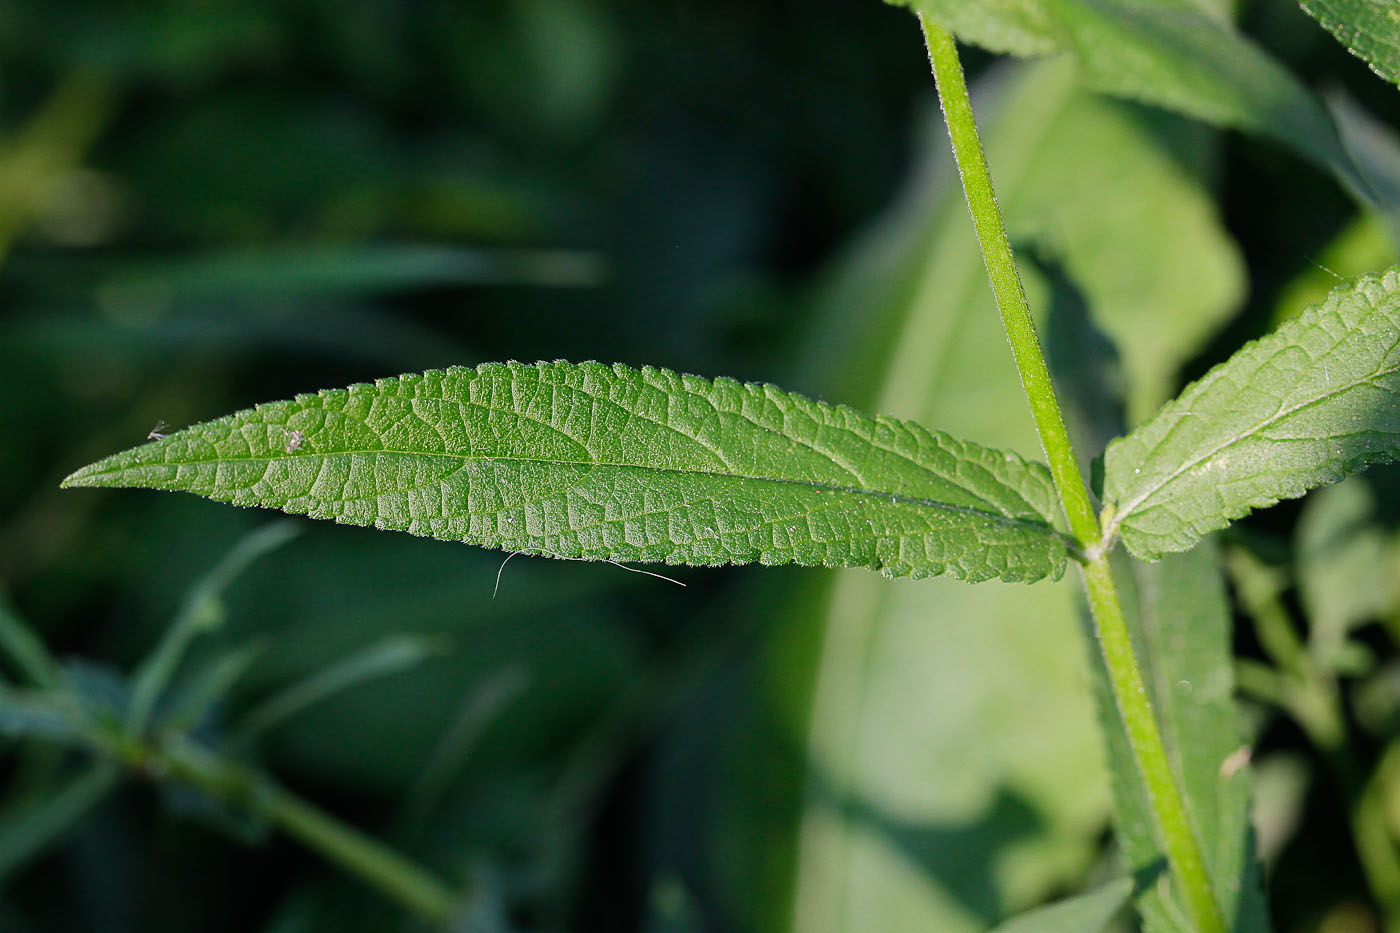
(1370, 29)
(1318, 398)
(612, 463)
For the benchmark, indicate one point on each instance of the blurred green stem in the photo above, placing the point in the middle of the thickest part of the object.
(1168, 803)
(374, 863)
(174, 756)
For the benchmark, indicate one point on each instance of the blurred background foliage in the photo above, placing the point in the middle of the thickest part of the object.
(207, 204)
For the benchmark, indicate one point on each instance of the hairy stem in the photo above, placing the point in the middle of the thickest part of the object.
(1168, 803)
(1006, 284)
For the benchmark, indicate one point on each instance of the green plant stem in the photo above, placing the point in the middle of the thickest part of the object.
(1168, 803)
(358, 854)
(1006, 284)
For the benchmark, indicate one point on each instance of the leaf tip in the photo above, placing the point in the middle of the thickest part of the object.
(100, 473)
(80, 477)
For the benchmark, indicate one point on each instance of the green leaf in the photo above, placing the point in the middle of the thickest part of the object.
(24, 835)
(1085, 913)
(53, 715)
(1369, 29)
(200, 611)
(927, 825)
(24, 649)
(1299, 408)
(391, 655)
(1361, 246)
(1100, 169)
(611, 463)
(1165, 52)
(1346, 563)
(291, 272)
(1180, 616)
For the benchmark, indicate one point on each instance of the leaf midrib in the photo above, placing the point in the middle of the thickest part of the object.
(1002, 518)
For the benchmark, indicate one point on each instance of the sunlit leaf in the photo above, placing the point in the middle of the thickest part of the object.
(610, 463)
(1369, 29)
(1302, 407)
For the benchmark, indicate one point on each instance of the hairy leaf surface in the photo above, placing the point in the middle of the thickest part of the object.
(1370, 31)
(611, 463)
(1311, 402)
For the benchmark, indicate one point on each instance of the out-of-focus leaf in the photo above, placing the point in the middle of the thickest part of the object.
(25, 650)
(389, 656)
(1280, 800)
(1181, 631)
(338, 272)
(548, 616)
(1377, 701)
(611, 463)
(205, 687)
(123, 331)
(1301, 407)
(672, 909)
(201, 611)
(1166, 52)
(51, 715)
(1178, 276)
(26, 834)
(34, 163)
(1364, 245)
(1370, 29)
(1374, 146)
(913, 819)
(1348, 567)
(1085, 913)
(480, 706)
